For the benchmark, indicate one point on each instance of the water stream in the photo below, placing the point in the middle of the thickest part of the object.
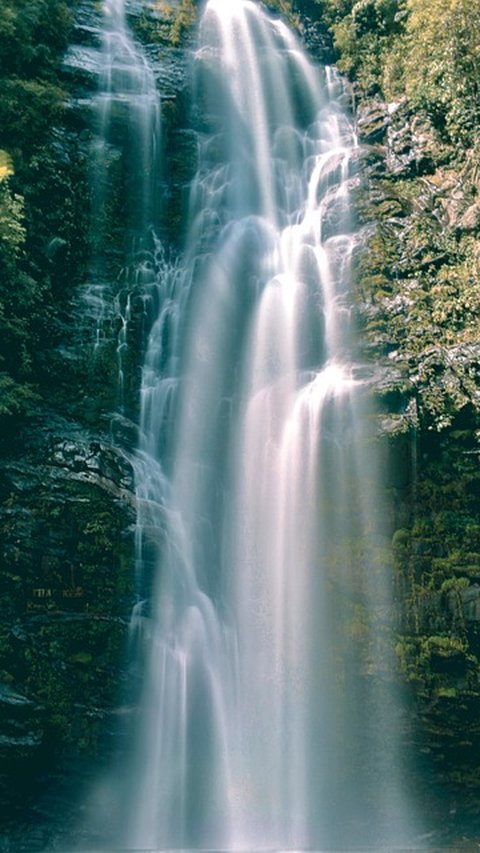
(266, 717)
(126, 173)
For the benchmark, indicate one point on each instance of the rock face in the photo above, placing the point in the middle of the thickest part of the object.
(67, 502)
(66, 518)
(418, 309)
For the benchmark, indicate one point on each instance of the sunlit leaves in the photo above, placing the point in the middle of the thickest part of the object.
(442, 61)
(6, 166)
(12, 230)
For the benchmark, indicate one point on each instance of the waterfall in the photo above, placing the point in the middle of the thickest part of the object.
(125, 184)
(266, 719)
(129, 117)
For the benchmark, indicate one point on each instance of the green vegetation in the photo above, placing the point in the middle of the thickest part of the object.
(160, 23)
(65, 561)
(65, 549)
(425, 50)
(33, 36)
(17, 298)
(419, 287)
(437, 569)
(183, 20)
(435, 63)
(364, 36)
(43, 203)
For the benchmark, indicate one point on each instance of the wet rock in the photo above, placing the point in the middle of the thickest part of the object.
(373, 121)
(413, 147)
(467, 601)
(125, 433)
(82, 65)
(397, 414)
(87, 17)
(90, 461)
(372, 160)
(170, 69)
(9, 698)
(65, 570)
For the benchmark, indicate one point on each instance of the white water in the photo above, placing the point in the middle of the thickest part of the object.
(125, 183)
(264, 720)
(128, 108)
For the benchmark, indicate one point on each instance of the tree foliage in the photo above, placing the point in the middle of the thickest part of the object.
(17, 297)
(33, 34)
(426, 50)
(35, 191)
(441, 66)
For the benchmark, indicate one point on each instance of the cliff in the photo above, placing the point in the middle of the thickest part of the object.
(67, 506)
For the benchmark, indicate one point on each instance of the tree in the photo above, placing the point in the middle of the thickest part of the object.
(441, 65)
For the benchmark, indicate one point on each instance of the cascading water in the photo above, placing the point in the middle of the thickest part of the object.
(125, 182)
(263, 721)
(128, 109)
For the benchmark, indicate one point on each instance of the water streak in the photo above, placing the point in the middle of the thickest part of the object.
(264, 723)
(125, 184)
